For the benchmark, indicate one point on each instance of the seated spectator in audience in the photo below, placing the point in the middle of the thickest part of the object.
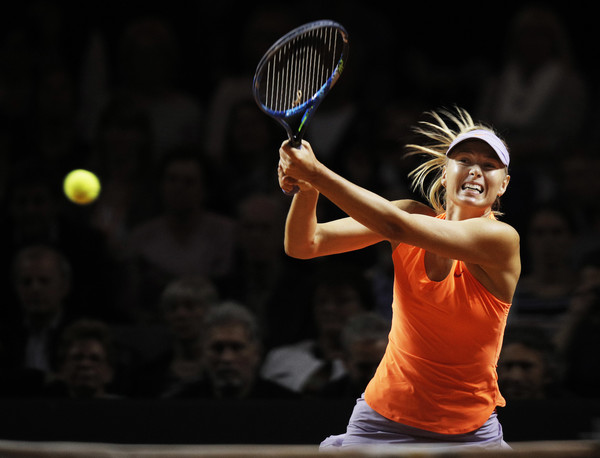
(87, 363)
(186, 238)
(579, 337)
(248, 170)
(120, 154)
(148, 65)
(184, 302)
(340, 292)
(31, 328)
(539, 97)
(528, 367)
(364, 340)
(549, 277)
(579, 188)
(37, 213)
(263, 276)
(232, 351)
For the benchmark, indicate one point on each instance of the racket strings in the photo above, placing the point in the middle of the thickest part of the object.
(298, 70)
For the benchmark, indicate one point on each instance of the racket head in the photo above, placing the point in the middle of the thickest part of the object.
(298, 71)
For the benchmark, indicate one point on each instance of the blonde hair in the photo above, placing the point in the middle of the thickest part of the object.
(439, 130)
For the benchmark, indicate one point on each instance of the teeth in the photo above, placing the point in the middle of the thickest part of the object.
(474, 187)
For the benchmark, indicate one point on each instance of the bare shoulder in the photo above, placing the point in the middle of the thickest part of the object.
(414, 207)
(500, 229)
(498, 244)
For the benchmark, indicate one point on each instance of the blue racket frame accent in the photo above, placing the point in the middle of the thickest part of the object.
(301, 114)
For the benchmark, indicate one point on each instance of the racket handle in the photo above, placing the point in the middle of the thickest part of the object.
(295, 142)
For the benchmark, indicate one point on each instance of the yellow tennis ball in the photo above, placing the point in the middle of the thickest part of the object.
(81, 186)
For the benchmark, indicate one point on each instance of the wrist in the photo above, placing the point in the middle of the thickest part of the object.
(318, 174)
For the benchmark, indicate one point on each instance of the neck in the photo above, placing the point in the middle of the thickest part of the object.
(38, 322)
(459, 213)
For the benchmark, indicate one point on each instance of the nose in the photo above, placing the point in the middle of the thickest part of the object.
(475, 170)
(227, 356)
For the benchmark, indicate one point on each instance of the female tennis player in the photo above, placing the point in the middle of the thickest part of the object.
(456, 268)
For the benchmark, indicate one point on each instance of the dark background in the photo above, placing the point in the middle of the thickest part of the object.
(454, 38)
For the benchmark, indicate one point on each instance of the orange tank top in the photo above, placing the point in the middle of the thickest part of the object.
(439, 370)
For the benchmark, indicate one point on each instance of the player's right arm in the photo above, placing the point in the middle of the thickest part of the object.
(306, 238)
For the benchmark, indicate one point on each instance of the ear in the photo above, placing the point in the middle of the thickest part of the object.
(504, 185)
(444, 179)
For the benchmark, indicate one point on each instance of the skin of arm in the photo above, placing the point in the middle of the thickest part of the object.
(490, 247)
(305, 238)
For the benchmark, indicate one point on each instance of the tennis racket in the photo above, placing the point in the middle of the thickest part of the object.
(297, 72)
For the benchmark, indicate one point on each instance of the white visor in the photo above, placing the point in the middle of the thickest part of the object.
(487, 136)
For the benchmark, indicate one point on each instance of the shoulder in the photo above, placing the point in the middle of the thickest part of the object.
(496, 238)
(414, 207)
(499, 229)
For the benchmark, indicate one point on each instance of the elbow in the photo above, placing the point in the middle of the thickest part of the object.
(298, 252)
(392, 231)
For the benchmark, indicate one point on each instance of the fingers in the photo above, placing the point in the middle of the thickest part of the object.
(286, 145)
(296, 163)
(286, 183)
(290, 185)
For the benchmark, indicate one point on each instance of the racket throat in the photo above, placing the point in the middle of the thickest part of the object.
(295, 134)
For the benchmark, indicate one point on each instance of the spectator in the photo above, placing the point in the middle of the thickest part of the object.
(184, 303)
(364, 339)
(30, 328)
(120, 154)
(42, 281)
(263, 277)
(149, 65)
(232, 350)
(548, 280)
(528, 367)
(247, 169)
(87, 363)
(578, 190)
(340, 292)
(36, 214)
(539, 98)
(579, 335)
(259, 29)
(185, 238)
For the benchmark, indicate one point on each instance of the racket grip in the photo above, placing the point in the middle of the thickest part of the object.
(295, 142)
(294, 190)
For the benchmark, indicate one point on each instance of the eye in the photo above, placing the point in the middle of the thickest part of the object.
(492, 165)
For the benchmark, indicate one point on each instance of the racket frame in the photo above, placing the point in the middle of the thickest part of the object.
(295, 119)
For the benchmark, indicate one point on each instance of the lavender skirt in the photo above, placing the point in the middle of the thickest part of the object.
(367, 428)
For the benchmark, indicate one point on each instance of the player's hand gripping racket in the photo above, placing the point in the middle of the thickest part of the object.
(297, 72)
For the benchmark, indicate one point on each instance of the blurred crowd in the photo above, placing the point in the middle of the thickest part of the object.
(174, 282)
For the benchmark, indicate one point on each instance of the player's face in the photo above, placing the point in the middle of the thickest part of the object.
(474, 175)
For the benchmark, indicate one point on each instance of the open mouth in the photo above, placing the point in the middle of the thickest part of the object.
(473, 187)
